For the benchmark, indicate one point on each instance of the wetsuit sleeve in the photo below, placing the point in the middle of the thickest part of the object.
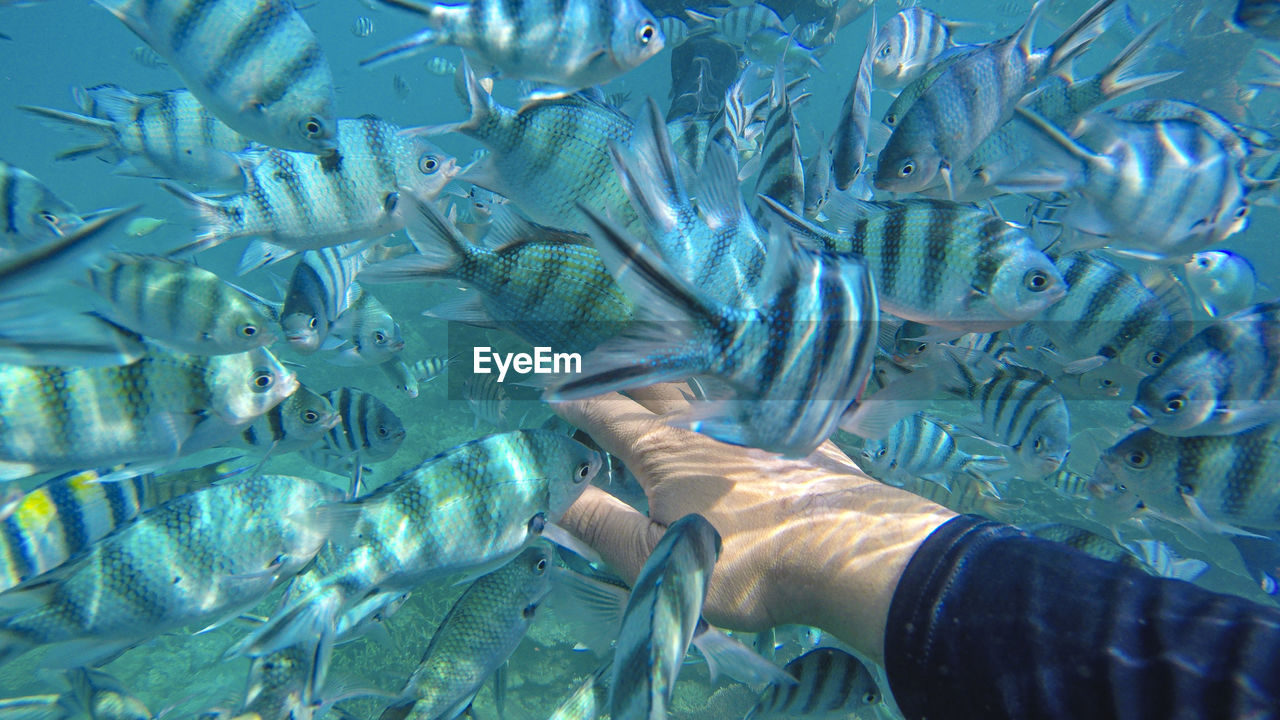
(988, 622)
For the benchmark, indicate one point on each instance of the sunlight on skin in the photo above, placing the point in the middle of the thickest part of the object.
(812, 541)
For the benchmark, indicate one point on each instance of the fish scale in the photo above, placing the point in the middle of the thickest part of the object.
(191, 560)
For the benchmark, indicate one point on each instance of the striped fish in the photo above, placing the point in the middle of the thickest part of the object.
(1071, 484)
(488, 402)
(253, 63)
(548, 156)
(1220, 483)
(659, 620)
(973, 96)
(298, 201)
(162, 406)
(429, 368)
(467, 507)
(907, 45)
(368, 432)
(297, 423)
(1108, 314)
(476, 637)
(364, 334)
(849, 142)
(564, 46)
(1088, 542)
(1224, 380)
(798, 359)
(404, 377)
(939, 263)
(30, 214)
(191, 560)
(1222, 281)
(1020, 409)
(781, 175)
(529, 280)
(320, 290)
(180, 305)
(830, 683)
(1157, 189)
(919, 447)
(67, 514)
(967, 495)
(166, 134)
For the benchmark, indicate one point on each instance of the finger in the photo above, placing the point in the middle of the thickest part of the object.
(622, 535)
(621, 426)
(663, 398)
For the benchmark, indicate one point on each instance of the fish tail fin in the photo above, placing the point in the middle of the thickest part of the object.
(1077, 38)
(220, 219)
(478, 98)
(670, 341)
(73, 119)
(1119, 77)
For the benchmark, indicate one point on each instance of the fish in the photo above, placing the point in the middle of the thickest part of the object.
(100, 696)
(30, 215)
(220, 49)
(488, 402)
(66, 514)
(830, 683)
(429, 368)
(364, 334)
(200, 556)
(476, 637)
(563, 47)
(1150, 556)
(763, 353)
(781, 175)
(1213, 483)
(286, 685)
(166, 134)
(587, 700)
(952, 266)
(545, 157)
(504, 490)
(404, 377)
(907, 45)
(299, 201)
(1109, 315)
(441, 66)
(162, 406)
(321, 288)
(1222, 281)
(973, 96)
(297, 423)
(368, 432)
(920, 447)
(362, 27)
(148, 58)
(1020, 409)
(849, 142)
(143, 226)
(546, 287)
(1159, 189)
(184, 307)
(660, 617)
(1258, 17)
(1222, 381)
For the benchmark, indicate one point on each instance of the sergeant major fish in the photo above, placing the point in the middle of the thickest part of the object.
(368, 431)
(564, 46)
(829, 683)
(364, 334)
(255, 64)
(297, 423)
(320, 290)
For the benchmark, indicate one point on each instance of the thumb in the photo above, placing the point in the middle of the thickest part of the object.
(622, 535)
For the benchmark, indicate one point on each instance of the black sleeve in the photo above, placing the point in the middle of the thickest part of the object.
(988, 622)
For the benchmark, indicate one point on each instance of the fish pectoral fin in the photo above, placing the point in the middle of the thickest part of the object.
(724, 654)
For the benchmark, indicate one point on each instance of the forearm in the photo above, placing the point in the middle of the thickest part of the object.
(990, 623)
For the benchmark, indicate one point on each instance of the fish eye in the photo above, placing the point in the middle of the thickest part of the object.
(1038, 445)
(583, 472)
(891, 119)
(428, 164)
(263, 380)
(390, 202)
(1036, 280)
(1106, 382)
(529, 611)
(646, 33)
(1120, 488)
(541, 565)
(312, 323)
(49, 217)
(1174, 403)
(906, 170)
(309, 417)
(1155, 357)
(1244, 210)
(885, 50)
(379, 337)
(1137, 459)
(383, 431)
(249, 331)
(870, 698)
(312, 127)
(880, 453)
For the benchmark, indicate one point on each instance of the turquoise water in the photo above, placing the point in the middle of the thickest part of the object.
(60, 44)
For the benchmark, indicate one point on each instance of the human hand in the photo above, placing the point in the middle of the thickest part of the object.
(812, 541)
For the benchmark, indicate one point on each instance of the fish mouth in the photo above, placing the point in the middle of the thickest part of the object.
(1139, 415)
